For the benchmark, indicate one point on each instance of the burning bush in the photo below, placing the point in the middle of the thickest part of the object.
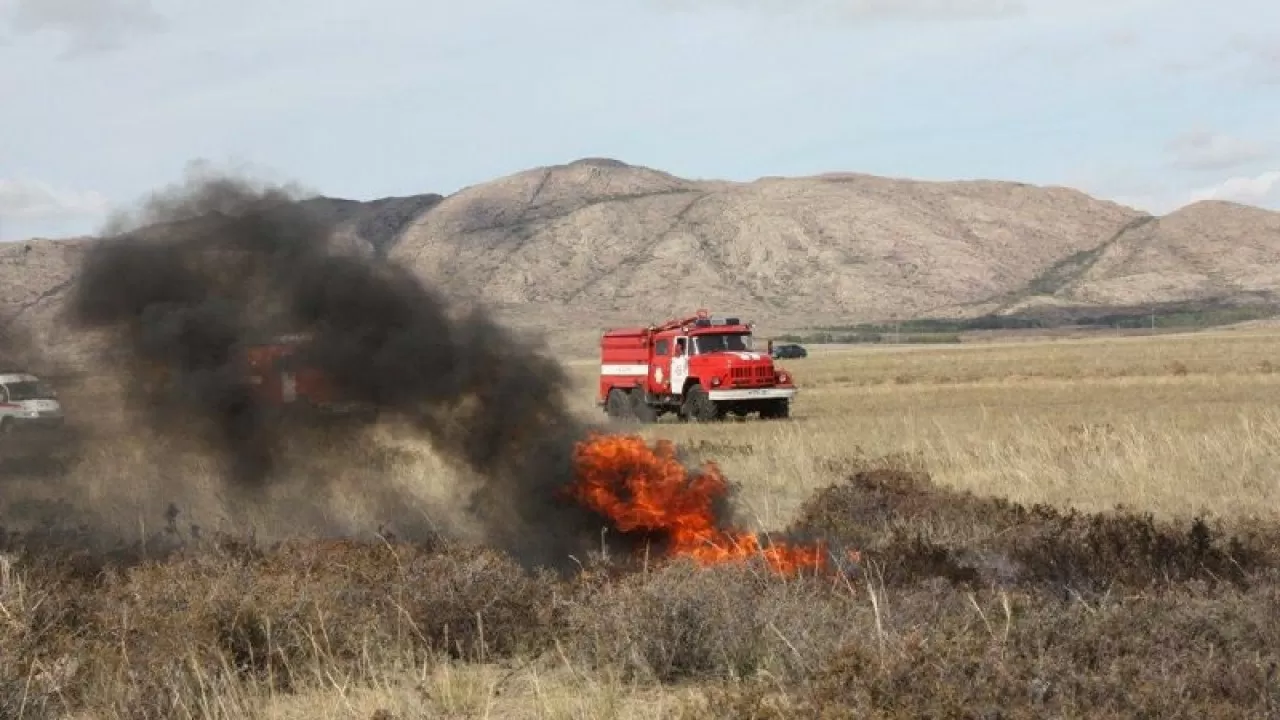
(647, 493)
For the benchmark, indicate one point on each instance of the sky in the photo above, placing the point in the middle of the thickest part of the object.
(1152, 103)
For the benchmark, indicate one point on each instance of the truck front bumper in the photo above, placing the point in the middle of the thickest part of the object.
(773, 393)
(40, 422)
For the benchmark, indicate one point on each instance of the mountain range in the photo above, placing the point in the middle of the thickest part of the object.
(572, 248)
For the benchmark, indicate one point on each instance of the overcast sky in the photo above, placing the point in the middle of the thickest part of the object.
(1151, 102)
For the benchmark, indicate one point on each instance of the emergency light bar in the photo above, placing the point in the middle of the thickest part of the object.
(710, 322)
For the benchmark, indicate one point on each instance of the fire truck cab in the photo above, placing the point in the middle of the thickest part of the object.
(699, 367)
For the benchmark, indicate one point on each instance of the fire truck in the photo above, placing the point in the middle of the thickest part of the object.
(285, 380)
(700, 368)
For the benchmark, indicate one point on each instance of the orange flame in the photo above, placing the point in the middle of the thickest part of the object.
(647, 489)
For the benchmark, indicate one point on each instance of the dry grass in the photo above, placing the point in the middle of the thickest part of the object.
(1176, 425)
(965, 603)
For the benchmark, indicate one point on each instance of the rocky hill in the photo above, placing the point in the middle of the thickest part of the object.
(1210, 249)
(574, 247)
(604, 236)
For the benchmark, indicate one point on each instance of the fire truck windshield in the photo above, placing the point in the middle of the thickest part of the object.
(725, 342)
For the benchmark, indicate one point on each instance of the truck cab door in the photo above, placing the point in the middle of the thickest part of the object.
(679, 365)
(659, 380)
(286, 370)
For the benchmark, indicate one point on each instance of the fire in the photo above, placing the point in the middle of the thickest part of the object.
(647, 489)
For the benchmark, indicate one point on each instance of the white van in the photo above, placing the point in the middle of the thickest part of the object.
(27, 402)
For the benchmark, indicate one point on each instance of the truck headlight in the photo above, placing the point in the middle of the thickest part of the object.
(784, 378)
(715, 381)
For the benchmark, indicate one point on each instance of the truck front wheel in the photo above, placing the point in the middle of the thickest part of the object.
(699, 407)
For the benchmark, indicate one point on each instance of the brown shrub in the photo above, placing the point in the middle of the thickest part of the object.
(160, 633)
(1103, 615)
(1190, 653)
(914, 531)
(40, 611)
(684, 621)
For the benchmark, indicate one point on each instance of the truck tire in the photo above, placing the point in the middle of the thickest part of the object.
(618, 405)
(699, 407)
(641, 410)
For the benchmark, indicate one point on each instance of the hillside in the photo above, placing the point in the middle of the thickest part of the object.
(34, 278)
(576, 246)
(1208, 249)
(611, 237)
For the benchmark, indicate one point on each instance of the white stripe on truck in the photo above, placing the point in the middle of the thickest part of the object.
(624, 369)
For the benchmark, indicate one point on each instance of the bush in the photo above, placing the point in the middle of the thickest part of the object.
(959, 606)
(685, 622)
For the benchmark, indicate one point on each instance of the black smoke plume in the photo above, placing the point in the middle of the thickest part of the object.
(217, 264)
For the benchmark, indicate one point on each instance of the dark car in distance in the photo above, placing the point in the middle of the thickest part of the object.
(789, 350)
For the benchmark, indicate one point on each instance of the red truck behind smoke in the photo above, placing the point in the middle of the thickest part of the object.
(284, 380)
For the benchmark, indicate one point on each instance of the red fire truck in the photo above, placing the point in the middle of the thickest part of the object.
(285, 381)
(699, 367)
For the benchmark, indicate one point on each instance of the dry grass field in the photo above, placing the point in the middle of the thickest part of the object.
(1175, 425)
(952, 470)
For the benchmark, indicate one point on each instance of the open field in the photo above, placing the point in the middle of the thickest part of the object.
(1176, 424)
(961, 605)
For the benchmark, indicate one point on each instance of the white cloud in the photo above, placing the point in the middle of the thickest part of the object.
(1242, 58)
(1160, 194)
(1262, 190)
(1268, 63)
(1205, 150)
(91, 25)
(928, 9)
(32, 200)
(871, 9)
(1257, 55)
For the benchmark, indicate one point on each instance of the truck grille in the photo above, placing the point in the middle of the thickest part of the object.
(753, 375)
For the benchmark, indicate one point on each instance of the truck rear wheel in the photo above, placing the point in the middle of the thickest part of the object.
(699, 407)
(618, 405)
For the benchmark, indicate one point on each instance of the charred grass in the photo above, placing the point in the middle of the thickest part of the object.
(960, 606)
